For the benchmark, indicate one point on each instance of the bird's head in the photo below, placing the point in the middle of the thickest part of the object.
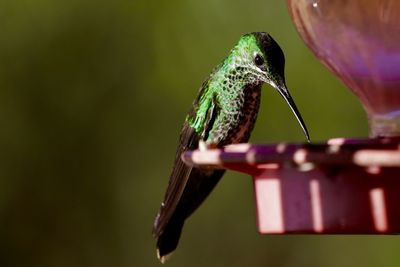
(259, 59)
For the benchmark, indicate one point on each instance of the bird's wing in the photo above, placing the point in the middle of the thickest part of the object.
(189, 140)
(180, 173)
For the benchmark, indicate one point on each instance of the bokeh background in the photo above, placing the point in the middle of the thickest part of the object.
(92, 97)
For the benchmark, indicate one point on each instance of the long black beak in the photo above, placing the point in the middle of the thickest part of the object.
(286, 95)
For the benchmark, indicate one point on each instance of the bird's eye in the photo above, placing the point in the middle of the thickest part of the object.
(258, 60)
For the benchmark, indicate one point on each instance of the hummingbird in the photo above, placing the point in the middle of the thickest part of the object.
(224, 112)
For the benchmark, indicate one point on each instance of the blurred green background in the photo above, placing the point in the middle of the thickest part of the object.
(92, 97)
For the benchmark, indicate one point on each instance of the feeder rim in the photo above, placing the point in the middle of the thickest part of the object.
(379, 152)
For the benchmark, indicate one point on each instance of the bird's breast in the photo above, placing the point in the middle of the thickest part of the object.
(241, 133)
(237, 117)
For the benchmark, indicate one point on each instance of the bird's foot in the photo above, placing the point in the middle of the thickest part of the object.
(205, 145)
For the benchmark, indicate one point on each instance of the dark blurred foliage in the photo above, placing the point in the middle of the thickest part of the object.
(92, 96)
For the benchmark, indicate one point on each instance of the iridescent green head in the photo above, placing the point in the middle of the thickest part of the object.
(260, 60)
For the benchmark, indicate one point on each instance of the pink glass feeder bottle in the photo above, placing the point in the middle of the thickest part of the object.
(342, 186)
(359, 41)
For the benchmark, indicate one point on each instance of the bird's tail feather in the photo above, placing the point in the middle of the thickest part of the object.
(168, 240)
(197, 188)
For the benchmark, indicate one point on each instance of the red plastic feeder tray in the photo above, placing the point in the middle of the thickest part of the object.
(341, 187)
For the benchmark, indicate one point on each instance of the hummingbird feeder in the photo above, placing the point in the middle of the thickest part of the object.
(342, 186)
